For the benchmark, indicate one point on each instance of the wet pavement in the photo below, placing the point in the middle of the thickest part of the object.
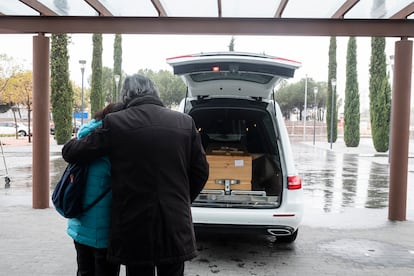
(343, 178)
(333, 181)
(345, 230)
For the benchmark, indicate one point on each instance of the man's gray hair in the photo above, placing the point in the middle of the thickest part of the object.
(138, 86)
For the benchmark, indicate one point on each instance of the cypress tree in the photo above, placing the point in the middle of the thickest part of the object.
(231, 45)
(331, 93)
(117, 66)
(61, 89)
(379, 95)
(97, 97)
(351, 109)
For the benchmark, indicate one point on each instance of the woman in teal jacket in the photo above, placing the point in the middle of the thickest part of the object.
(91, 230)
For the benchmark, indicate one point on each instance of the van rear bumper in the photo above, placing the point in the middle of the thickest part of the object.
(278, 221)
(274, 230)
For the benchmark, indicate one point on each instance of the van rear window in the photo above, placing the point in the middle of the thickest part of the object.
(241, 129)
(251, 77)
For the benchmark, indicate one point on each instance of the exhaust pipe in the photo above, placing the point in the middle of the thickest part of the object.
(279, 232)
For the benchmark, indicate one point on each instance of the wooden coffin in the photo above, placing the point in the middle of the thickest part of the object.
(234, 168)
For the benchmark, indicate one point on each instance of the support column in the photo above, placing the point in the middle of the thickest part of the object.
(400, 134)
(41, 99)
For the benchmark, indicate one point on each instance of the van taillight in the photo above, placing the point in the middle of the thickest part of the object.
(294, 183)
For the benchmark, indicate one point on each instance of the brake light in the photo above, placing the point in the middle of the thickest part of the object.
(286, 60)
(294, 182)
(215, 69)
(183, 56)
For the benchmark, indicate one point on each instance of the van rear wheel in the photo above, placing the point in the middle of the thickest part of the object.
(289, 238)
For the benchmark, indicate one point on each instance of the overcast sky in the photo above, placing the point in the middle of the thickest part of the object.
(151, 51)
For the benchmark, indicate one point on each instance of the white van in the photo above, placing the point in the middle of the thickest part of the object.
(253, 184)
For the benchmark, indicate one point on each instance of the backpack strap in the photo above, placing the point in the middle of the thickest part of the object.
(99, 198)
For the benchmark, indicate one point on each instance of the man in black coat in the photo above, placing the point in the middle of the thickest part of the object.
(158, 168)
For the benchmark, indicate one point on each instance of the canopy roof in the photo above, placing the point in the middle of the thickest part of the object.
(265, 17)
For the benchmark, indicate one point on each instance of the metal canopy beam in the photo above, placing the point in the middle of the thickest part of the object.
(405, 12)
(347, 6)
(39, 7)
(207, 26)
(219, 9)
(99, 8)
(281, 8)
(159, 7)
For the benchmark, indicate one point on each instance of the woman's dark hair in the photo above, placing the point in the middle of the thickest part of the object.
(111, 107)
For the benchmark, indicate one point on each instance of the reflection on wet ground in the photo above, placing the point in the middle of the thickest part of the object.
(19, 168)
(333, 181)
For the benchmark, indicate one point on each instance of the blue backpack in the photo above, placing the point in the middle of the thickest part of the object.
(70, 189)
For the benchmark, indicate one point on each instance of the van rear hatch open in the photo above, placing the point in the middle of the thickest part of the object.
(232, 73)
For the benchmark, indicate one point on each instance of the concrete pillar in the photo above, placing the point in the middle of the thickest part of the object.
(400, 134)
(41, 99)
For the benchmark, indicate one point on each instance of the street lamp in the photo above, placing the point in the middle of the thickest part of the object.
(392, 67)
(82, 66)
(305, 109)
(116, 77)
(333, 84)
(315, 92)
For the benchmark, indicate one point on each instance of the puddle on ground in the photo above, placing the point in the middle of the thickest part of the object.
(21, 177)
(333, 182)
(369, 252)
